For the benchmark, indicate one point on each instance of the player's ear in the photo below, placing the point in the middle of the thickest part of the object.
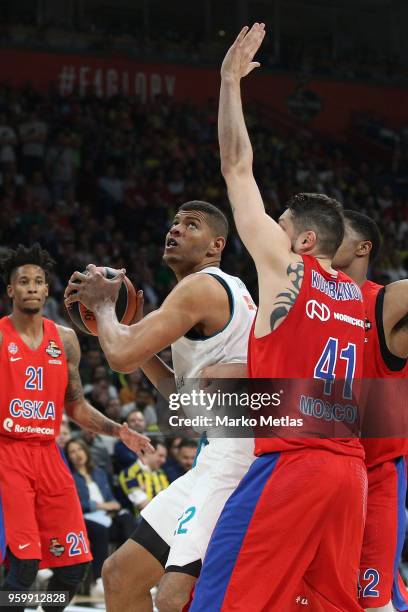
(10, 292)
(364, 248)
(307, 240)
(46, 290)
(217, 246)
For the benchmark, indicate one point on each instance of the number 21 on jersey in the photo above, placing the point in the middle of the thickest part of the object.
(34, 381)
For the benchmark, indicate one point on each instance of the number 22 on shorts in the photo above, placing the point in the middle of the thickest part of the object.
(184, 519)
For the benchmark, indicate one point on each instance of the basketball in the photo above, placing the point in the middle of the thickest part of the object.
(85, 320)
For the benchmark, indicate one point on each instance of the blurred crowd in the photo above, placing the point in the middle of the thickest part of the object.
(354, 60)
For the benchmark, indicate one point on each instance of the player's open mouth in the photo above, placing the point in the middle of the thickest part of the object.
(171, 243)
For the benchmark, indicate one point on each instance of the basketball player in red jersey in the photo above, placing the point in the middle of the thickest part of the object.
(385, 357)
(298, 514)
(42, 523)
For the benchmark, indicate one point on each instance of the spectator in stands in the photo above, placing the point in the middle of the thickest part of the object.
(105, 520)
(187, 453)
(64, 434)
(114, 409)
(182, 452)
(33, 135)
(101, 372)
(146, 404)
(98, 449)
(61, 166)
(111, 189)
(8, 141)
(90, 360)
(123, 456)
(132, 384)
(141, 482)
(101, 390)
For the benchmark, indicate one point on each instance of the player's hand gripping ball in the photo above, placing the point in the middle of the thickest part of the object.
(126, 305)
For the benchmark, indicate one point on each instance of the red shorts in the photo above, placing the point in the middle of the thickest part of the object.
(296, 518)
(42, 515)
(384, 536)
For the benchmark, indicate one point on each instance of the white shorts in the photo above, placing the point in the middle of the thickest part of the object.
(184, 515)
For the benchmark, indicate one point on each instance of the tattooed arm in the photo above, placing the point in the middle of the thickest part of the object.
(81, 411)
(76, 406)
(286, 298)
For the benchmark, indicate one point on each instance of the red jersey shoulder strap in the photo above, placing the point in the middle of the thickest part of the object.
(393, 363)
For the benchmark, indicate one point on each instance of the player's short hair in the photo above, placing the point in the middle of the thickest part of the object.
(367, 229)
(322, 214)
(22, 256)
(217, 221)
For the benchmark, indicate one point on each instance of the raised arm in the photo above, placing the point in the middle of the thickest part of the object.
(80, 411)
(395, 318)
(262, 236)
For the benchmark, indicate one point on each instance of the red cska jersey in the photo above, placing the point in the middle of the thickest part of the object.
(33, 383)
(380, 363)
(322, 337)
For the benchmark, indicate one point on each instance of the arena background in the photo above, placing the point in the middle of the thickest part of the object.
(108, 117)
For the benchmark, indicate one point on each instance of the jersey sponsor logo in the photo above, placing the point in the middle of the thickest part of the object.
(23, 546)
(32, 409)
(337, 290)
(44, 431)
(53, 350)
(15, 358)
(56, 548)
(12, 348)
(8, 424)
(318, 310)
(339, 316)
(55, 361)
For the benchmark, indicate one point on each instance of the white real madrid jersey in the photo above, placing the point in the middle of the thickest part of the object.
(229, 345)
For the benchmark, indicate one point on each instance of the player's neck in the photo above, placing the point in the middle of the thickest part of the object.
(357, 270)
(325, 263)
(28, 324)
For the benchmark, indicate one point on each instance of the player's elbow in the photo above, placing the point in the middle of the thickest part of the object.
(123, 364)
(125, 360)
(231, 168)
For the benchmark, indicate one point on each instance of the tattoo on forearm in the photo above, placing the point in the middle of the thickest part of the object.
(98, 423)
(285, 300)
(74, 391)
(76, 406)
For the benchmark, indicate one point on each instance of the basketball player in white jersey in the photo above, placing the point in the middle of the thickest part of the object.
(206, 319)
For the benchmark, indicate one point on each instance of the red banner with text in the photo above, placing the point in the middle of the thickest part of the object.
(326, 105)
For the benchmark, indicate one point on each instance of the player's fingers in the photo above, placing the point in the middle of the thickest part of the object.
(77, 276)
(91, 268)
(71, 289)
(241, 36)
(71, 298)
(139, 307)
(254, 42)
(252, 66)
